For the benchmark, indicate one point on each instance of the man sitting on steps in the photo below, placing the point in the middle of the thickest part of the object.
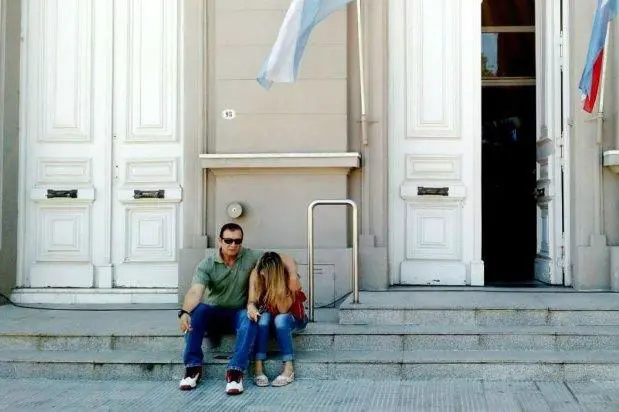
(226, 274)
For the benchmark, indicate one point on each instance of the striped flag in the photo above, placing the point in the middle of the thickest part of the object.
(282, 64)
(590, 79)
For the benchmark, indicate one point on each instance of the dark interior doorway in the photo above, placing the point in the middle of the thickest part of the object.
(508, 142)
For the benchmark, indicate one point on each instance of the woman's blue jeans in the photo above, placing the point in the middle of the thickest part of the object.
(284, 325)
(217, 321)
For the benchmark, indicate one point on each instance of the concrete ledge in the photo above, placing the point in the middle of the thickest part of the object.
(342, 338)
(346, 160)
(88, 296)
(611, 160)
(509, 365)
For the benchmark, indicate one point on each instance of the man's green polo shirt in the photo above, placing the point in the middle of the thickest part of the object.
(227, 285)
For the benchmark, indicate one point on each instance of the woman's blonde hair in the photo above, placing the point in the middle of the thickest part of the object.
(273, 284)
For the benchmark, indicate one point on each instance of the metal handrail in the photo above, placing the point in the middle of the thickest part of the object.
(310, 249)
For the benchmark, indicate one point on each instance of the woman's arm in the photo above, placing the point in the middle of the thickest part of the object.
(253, 295)
(294, 283)
(254, 288)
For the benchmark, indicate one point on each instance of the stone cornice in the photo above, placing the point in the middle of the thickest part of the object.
(343, 160)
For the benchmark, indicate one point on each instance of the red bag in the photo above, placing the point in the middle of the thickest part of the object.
(298, 309)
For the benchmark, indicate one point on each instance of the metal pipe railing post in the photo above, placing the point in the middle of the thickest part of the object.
(355, 253)
(310, 249)
(310, 258)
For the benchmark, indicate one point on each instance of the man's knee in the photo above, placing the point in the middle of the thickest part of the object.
(243, 321)
(201, 311)
(204, 314)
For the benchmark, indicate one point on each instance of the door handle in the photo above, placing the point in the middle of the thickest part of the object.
(432, 191)
(149, 194)
(66, 194)
(539, 192)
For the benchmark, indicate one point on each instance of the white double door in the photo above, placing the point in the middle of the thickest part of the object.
(435, 214)
(100, 144)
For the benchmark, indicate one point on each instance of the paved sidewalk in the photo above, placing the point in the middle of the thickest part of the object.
(311, 395)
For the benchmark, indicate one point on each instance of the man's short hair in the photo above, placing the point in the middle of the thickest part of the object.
(232, 227)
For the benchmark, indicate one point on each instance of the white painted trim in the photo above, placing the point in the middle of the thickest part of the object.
(103, 75)
(94, 296)
(280, 160)
(567, 167)
(475, 262)
(74, 274)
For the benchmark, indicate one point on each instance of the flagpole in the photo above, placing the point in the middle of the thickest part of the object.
(365, 180)
(364, 135)
(599, 175)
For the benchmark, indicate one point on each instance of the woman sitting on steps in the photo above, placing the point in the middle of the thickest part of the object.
(275, 302)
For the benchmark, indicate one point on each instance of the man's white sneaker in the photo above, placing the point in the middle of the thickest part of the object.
(191, 379)
(235, 382)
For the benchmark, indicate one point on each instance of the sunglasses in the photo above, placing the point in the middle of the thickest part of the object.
(229, 241)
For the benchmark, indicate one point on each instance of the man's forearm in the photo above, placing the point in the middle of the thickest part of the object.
(192, 299)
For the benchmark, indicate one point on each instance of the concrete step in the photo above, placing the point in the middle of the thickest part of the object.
(334, 337)
(424, 364)
(481, 308)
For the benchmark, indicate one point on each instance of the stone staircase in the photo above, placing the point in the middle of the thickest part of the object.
(416, 333)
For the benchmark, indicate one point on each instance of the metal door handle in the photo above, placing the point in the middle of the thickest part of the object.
(432, 191)
(149, 194)
(67, 194)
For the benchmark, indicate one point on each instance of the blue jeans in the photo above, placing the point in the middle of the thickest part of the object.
(284, 324)
(217, 321)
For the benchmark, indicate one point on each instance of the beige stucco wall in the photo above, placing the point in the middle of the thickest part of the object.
(312, 115)
(307, 116)
(611, 139)
(591, 251)
(10, 144)
(275, 206)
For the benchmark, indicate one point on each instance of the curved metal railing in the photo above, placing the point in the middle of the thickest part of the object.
(310, 249)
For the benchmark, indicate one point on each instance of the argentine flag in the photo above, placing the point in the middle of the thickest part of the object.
(282, 64)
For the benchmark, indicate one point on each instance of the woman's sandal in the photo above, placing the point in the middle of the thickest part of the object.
(283, 380)
(261, 380)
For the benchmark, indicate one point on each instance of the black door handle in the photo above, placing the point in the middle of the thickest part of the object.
(432, 191)
(149, 194)
(67, 194)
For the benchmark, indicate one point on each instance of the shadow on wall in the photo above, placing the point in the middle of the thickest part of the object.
(9, 142)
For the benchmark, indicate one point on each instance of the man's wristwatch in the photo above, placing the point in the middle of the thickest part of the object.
(181, 312)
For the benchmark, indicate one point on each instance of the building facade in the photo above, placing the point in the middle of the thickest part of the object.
(133, 130)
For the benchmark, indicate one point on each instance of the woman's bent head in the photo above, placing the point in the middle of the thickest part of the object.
(273, 279)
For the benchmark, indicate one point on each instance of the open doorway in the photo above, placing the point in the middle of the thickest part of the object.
(509, 207)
